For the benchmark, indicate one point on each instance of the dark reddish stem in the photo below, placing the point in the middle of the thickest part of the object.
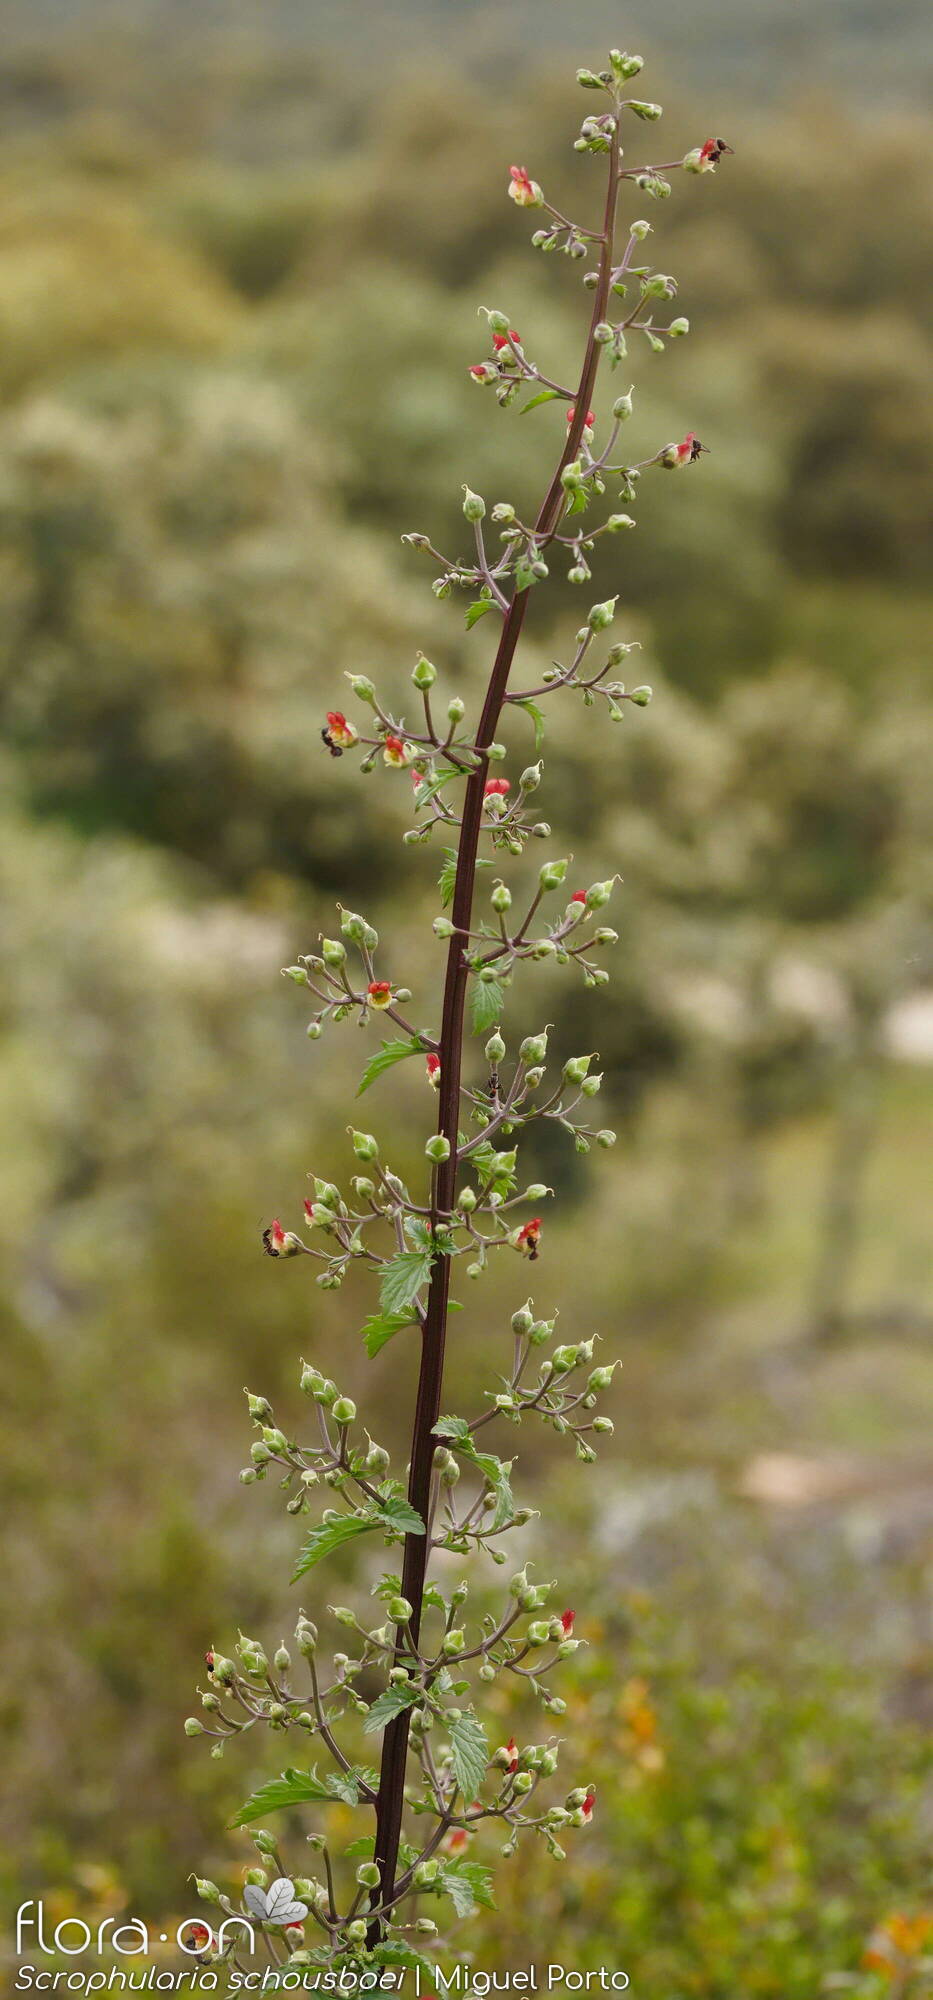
(390, 1801)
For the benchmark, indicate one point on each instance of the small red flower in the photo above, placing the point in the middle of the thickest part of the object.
(496, 788)
(567, 1619)
(380, 992)
(294, 1935)
(340, 734)
(504, 342)
(457, 1840)
(712, 151)
(579, 896)
(689, 449)
(432, 1064)
(529, 1237)
(200, 1936)
(484, 371)
(395, 752)
(590, 417)
(273, 1239)
(523, 189)
(588, 1804)
(512, 1748)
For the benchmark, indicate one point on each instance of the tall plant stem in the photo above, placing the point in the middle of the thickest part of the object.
(391, 1797)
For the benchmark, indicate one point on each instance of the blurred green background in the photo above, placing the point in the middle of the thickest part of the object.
(241, 252)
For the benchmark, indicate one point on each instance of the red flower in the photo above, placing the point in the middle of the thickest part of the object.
(590, 416)
(200, 1936)
(433, 1067)
(505, 342)
(380, 992)
(484, 371)
(395, 752)
(457, 1840)
(340, 734)
(209, 1659)
(523, 189)
(566, 1619)
(496, 788)
(712, 151)
(273, 1239)
(512, 1748)
(588, 1803)
(529, 1237)
(689, 449)
(579, 896)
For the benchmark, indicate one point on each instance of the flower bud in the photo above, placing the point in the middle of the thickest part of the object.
(677, 328)
(362, 688)
(575, 1070)
(495, 1047)
(333, 952)
(588, 81)
(598, 894)
(438, 1148)
(344, 1410)
(625, 66)
(640, 696)
(605, 1138)
(356, 1932)
(617, 522)
(533, 1077)
(456, 709)
(364, 1146)
(208, 1891)
(501, 898)
(193, 1727)
(602, 615)
(552, 874)
(282, 1659)
(424, 674)
(466, 1199)
(474, 507)
(259, 1406)
(534, 1047)
(649, 112)
(530, 778)
(524, 1782)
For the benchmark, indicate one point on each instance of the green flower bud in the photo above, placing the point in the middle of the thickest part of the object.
(625, 66)
(367, 1875)
(466, 1199)
(498, 323)
(344, 1410)
(438, 1148)
(425, 1925)
(503, 511)
(603, 333)
(456, 709)
(603, 1424)
(533, 1078)
(501, 898)
(399, 1610)
(282, 1659)
(598, 894)
(208, 1891)
(474, 507)
(522, 1320)
(362, 688)
(356, 1932)
(333, 952)
(193, 1727)
(426, 1873)
(424, 674)
(297, 973)
(649, 112)
(275, 1439)
(364, 1145)
(534, 1047)
(622, 407)
(455, 1640)
(617, 522)
(524, 1782)
(553, 874)
(588, 81)
(640, 696)
(575, 1070)
(602, 615)
(677, 328)
(531, 778)
(605, 1138)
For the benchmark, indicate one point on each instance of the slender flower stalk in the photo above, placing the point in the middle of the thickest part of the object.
(435, 1754)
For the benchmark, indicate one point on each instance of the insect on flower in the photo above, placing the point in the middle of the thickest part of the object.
(712, 150)
(684, 453)
(528, 1238)
(339, 734)
(279, 1242)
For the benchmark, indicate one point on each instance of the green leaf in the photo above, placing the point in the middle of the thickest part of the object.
(396, 1512)
(543, 396)
(451, 1427)
(362, 1849)
(448, 877)
(330, 1535)
(402, 1279)
(390, 1052)
(403, 1954)
(470, 1751)
(524, 574)
(467, 1883)
(293, 1788)
(531, 708)
(391, 1702)
(497, 1472)
(477, 610)
(346, 1785)
(380, 1327)
(486, 1003)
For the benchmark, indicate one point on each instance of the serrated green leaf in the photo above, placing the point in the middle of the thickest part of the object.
(470, 1750)
(330, 1535)
(531, 708)
(468, 1884)
(402, 1279)
(403, 1954)
(381, 1327)
(447, 877)
(293, 1788)
(486, 1003)
(497, 1472)
(477, 610)
(543, 396)
(452, 1427)
(397, 1512)
(346, 1785)
(384, 1058)
(391, 1702)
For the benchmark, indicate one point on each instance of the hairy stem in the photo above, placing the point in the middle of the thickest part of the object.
(390, 1801)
